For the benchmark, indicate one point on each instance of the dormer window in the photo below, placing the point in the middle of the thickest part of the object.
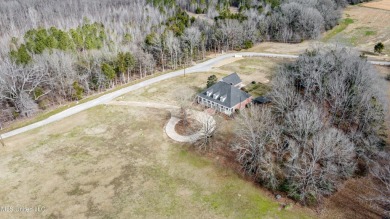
(216, 95)
(223, 98)
(209, 92)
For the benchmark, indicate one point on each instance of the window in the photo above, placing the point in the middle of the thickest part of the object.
(223, 98)
(216, 95)
(209, 92)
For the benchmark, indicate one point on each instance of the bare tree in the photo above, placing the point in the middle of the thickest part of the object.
(185, 99)
(192, 38)
(17, 84)
(257, 145)
(380, 184)
(209, 126)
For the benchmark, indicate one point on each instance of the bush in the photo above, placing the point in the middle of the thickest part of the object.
(198, 11)
(378, 48)
(248, 44)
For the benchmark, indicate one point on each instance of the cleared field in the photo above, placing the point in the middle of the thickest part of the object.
(282, 48)
(362, 27)
(382, 4)
(116, 162)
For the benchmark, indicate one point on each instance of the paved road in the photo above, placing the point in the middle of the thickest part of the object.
(201, 67)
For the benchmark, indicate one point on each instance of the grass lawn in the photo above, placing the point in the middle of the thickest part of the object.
(257, 89)
(116, 162)
(338, 29)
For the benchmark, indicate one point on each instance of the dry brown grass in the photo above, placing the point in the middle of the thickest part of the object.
(282, 48)
(381, 4)
(117, 162)
(369, 26)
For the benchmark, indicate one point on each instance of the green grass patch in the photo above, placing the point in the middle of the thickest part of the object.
(235, 193)
(370, 33)
(193, 159)
(257, 89)
(338, 29)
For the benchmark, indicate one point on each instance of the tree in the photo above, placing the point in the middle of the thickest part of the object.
(17, 83)
(203, 139)
(211, 80)
(109, 71)
(380, 184)
(185, 98)
(125, 62)
(21, 56)
(257, 143)
(378, 48)
(191, 38)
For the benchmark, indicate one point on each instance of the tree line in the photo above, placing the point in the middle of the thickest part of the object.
(56, 51)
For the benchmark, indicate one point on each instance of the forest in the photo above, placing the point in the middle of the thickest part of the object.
(58, 51)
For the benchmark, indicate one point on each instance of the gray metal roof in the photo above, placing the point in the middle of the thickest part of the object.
(227, 95)
(233, 79)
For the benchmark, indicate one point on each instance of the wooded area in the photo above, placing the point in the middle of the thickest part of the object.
(325, 125)
(56, 51)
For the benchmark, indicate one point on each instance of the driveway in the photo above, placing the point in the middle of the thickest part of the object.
(169, 128)
(201, 67)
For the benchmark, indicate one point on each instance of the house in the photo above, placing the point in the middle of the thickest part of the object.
(225, 96)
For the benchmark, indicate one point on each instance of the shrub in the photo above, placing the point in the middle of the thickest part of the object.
(378, 48)
(198, 11)
(248, 44)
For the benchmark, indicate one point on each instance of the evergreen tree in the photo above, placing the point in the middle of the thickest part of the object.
(211, 80)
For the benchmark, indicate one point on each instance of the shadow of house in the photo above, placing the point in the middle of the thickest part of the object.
(261, 100)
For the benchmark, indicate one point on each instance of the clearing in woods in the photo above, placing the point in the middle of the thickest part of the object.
(362, 27)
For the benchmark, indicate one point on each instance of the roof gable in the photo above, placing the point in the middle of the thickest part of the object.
(232, 79)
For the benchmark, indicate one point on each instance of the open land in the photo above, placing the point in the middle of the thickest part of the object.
(381, 4)
(116, 161)
(362, 27)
